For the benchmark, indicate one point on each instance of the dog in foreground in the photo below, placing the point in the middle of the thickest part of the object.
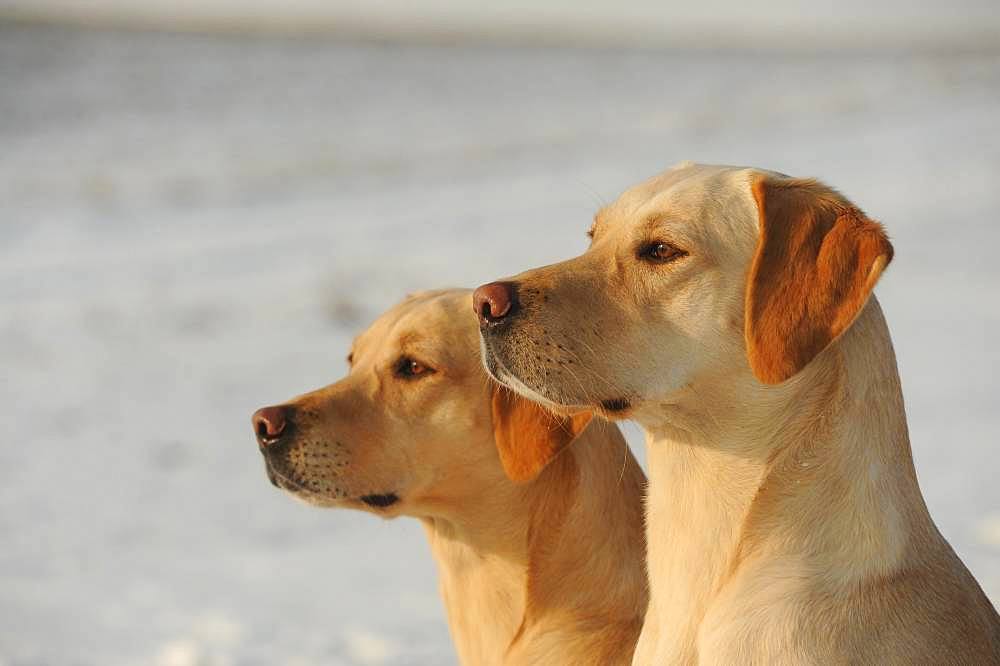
(548, 570)
(729, 312)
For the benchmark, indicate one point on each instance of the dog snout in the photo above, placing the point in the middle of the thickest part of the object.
(495, 302)
(272, 425)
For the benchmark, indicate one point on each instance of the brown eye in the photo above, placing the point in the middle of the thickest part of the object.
(408, 368)
(660, 252)
(350, 359)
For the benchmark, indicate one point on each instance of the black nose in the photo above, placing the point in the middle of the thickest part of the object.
(270, 424)
(494, 302)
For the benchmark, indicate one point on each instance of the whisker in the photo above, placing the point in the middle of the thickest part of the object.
(621, 475)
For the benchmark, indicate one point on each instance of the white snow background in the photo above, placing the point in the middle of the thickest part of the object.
(195, 226)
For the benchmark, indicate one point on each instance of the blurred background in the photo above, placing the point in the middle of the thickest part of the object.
(201, 203)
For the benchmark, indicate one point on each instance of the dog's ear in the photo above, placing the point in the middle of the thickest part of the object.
(528, 436)
(818, 258)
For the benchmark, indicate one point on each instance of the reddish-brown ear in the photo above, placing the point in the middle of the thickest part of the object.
(528, 436)
(818, 258)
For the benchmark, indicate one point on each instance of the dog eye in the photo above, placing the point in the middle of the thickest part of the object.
(660, 252)
(408, 368)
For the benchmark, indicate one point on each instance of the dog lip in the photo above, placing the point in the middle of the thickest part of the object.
(503, 376)
(616, 404)
(283, 481)
(491, 361)
(499, 372)
(380, 500)
(271, 476)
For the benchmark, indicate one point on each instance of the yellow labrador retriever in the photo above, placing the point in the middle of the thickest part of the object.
(549, 570)
(729, 312)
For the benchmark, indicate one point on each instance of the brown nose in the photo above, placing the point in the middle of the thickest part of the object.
(494, 302)
(270, 423)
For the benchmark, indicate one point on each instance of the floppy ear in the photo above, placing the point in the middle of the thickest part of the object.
(818, 258)
(528, 436)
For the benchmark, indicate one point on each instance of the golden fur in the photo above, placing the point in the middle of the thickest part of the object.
(817, 260)
(785, 524)
(546, 571)
(528, 437)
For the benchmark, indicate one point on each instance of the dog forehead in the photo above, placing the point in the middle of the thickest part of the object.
(688, 191)
(695, 184)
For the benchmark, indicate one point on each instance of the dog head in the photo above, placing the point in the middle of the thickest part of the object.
(702, 271)
(415, 426)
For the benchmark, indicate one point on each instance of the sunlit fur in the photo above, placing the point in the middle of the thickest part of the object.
(785, 523)
(550, 571)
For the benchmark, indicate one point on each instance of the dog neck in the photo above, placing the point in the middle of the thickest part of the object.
(522, 569)
(743, 471)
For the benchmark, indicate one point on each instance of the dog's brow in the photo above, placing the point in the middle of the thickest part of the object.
(655, 220)
(407, 339)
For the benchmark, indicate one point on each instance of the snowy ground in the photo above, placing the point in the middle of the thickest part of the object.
(193, 227)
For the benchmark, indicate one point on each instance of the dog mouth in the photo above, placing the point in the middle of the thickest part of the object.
(290, 484)
(499, 372)
(492, 363)
(380, 500)
(612, 408)
(284, 481)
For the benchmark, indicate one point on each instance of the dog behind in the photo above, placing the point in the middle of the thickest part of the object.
(548, 570)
